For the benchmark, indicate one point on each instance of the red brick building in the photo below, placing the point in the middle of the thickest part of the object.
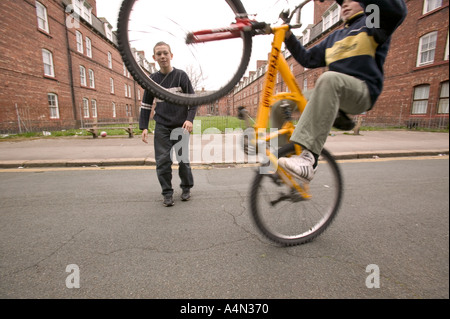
(60, 67)
(416, 89)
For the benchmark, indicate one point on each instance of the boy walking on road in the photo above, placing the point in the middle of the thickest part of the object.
(173, 125)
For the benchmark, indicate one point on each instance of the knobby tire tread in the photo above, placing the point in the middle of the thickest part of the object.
(159, 92)
(286, 150)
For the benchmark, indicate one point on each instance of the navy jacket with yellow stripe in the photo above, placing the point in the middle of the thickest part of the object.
(360, 48)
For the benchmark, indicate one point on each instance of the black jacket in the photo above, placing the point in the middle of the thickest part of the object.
(168, 114)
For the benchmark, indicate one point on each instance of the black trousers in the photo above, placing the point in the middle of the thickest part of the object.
(167, 139)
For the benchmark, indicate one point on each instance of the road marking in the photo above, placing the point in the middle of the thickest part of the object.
(390, 159)
(203, 166)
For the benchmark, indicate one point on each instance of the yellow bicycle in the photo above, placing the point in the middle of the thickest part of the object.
(286, 210)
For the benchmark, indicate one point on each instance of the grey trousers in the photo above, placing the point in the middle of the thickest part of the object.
(333, 92)
(165, 140)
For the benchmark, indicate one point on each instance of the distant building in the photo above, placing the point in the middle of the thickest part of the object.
(60, 67)
(416, 89)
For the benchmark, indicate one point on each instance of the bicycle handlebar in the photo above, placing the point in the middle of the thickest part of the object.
(243, 24)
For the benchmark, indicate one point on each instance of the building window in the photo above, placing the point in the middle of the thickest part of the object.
(42, 17)
(94, 108)
(77, 6)
(87, 12)
(109, 60)
(331, 17)
(111, 85)
(88, 47)
(47, 57)
(53, 105)
(446, 50)
(108, 31)
(129, 91)
(443, 99)
(83, 9)
(85, 108)
(114, 109)
(91, 79)
(427, 49)
(79, 42)
(430, 5)
(83, 76)
(420, 103)
(306, 36)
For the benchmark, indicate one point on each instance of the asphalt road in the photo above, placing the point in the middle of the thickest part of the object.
(108, 226)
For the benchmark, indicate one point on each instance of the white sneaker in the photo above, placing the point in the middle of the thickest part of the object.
(300, 166)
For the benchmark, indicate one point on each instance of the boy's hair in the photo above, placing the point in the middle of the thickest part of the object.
(160, 44)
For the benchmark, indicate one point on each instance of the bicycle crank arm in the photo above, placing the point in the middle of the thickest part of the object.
(289, 181)
(294, 197)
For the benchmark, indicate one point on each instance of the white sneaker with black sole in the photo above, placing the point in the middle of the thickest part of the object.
(300, 166)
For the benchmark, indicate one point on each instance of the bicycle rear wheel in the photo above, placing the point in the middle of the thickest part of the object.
(213, 67)
(283, 216)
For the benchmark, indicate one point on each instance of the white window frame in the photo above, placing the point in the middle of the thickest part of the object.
(77, 6)
(79, 36)
(83, 80)
(88, 47)
(111, 85)
(85, 108)
(420, 99)
(331, 17)
(42, 17)
(108, 31)
(91, 78)
(47, 58)
(110, 60)
(443, 98)
(114, 109)
(430, 5)
(128, 110)
(306, 36)
(87, 12)
(94, 108)
(427, 49)
(446, 50)
(53, 105)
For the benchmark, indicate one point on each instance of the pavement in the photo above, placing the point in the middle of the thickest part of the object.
(206, 149)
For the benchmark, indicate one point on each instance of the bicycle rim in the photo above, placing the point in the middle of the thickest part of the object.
(290, 220)
(214, 67)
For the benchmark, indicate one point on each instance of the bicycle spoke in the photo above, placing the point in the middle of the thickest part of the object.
(283, 216)
(214, 67)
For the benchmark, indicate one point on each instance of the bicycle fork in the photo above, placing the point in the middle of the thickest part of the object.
(302, 190)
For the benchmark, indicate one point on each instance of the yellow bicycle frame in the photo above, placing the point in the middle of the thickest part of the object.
(277, 63)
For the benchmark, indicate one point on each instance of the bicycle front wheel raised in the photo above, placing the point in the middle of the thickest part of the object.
(283, 216)
(214, 68)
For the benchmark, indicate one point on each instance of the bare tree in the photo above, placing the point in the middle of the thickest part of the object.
(196, 77)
